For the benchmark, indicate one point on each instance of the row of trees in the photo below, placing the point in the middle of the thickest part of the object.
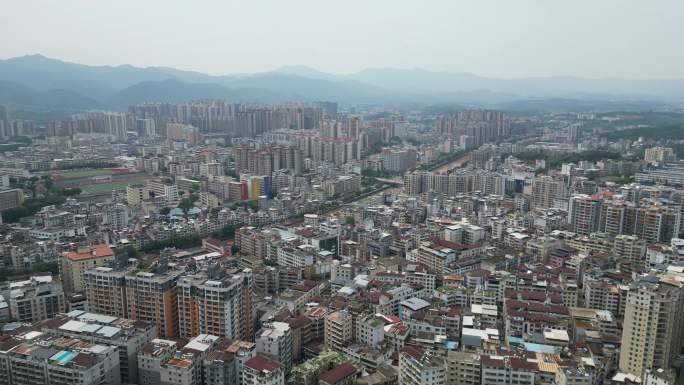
(669, 131)
(178, 242)
(53, 196)
(556, 160)
(47, 267)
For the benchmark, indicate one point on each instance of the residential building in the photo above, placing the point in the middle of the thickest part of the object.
(338, 330)
(275, 342)
(339, 375)
(216, 302)
(504, 370)
(53, 360)
(584, 213)
(35, 299)
(659, 155)
(463, 368)
(74, 264)
(136, 194)
(262, 371)
(421, 368)
(11, 198)
(125, 335)
(652, 327)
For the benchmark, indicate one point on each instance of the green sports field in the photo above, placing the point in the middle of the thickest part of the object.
(99, 188)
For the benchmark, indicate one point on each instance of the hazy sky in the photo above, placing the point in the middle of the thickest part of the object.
(503, 38)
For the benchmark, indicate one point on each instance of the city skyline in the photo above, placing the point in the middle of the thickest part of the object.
(342, 193)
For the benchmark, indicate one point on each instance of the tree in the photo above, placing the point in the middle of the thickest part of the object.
(350, 220)
(31, 184)
(18, 183)
(14, 214)
(130, 252)
(254, 205)
(70, 191)
(186, 204)
(227, 232)
(592, 175)
(41, 267)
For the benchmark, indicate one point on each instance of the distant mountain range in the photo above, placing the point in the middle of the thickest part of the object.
(39, 85)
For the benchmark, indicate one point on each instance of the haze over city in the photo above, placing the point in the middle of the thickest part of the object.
(507, 39)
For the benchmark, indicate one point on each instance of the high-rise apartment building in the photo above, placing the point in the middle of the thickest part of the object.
(152, 297)
(398, 160)
(652, 327)
(115, 216)
(584, 213)
(603, 296)
(216, 302)
(630, 252)
(211, 169)
(335, 150)
(116, 125)
(659, 155)
(4, 121)
(546, 190)
(482, 125)
(614, 219)
(146, 127)
(266, 160)
(657, 223)
(183, 132)
(654, 222)
(105, 290)
(574, 132)
(145, 296)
